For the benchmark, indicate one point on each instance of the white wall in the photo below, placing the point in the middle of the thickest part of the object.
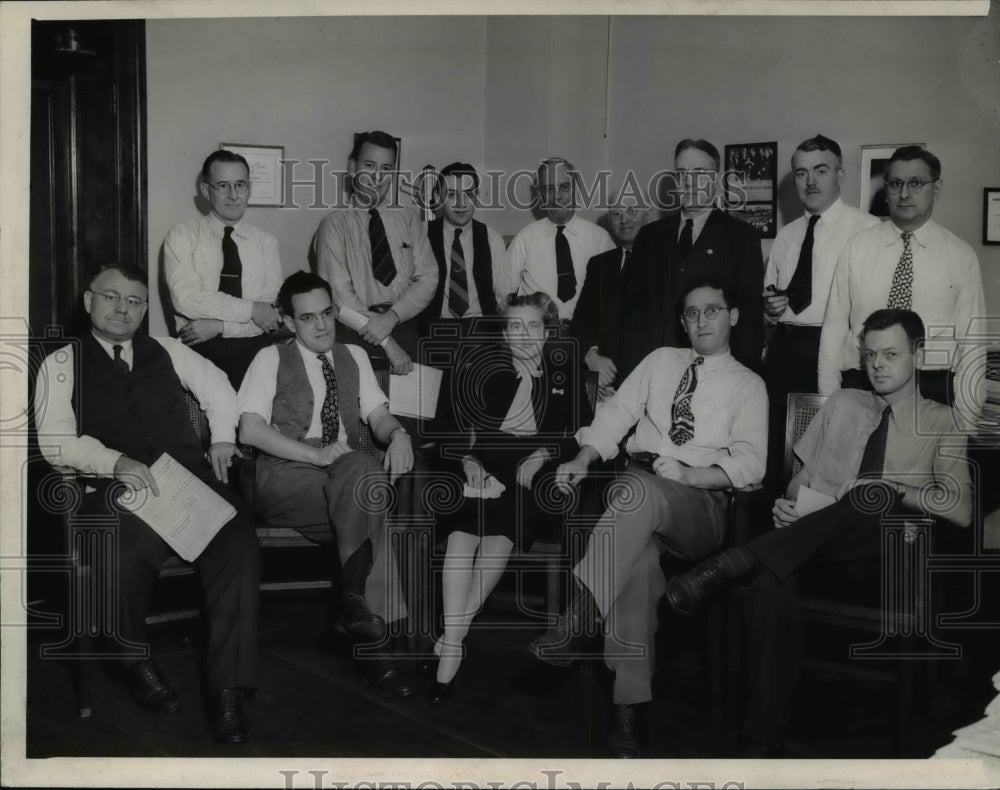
(502, 92)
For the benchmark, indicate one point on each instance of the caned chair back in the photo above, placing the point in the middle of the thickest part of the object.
(802, 408)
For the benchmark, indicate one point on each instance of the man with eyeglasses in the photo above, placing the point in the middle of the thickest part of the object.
(700, 421)
(597, 319)
(128, 390)
(910, 262)
(551, 254)
(376, 256)
(698, 241)
(301, 405)
(223, 273)
(798, 277)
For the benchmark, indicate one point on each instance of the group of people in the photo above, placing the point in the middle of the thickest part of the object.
(669, 317)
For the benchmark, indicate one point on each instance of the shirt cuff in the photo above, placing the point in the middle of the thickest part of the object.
(104, 462)
(733, 468)
(607, 449)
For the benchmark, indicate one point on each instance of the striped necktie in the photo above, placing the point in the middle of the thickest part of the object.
(681, 416)
(383, 266)
(458, 287)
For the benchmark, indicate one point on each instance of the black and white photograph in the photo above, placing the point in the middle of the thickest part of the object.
(587, 444)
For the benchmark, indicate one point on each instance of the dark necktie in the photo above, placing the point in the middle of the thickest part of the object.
(565, 275)
(873, 459)
(901, 292)
(458, 288)
(119, 362)
(329, 416)
(686, 240)
(383, 266)
(801, 284)
(231, 276)
(625, 262)
(681, 416)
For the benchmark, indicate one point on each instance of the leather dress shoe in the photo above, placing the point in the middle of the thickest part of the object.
(568, 639)
(384, 678)
(688, 591)
(359, 621)
(623, 741)
(229, 722)
(441, 692)
(150, 689)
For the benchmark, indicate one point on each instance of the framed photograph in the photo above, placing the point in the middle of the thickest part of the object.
(751, 185)
(871, 196)
(991, 215)
(267, 184)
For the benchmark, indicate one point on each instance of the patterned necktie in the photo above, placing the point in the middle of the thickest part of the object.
(458, 287)
(800, 286)
(901, 292)
(873, 459)
(329, 416)
(119, 362)
(383, 266)
(681, 417)
(565, 275)
(686, 241)
(231, 276)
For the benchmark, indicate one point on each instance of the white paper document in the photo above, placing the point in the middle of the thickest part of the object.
(416, 393)
(187, 514)
(809, 501)
(492, 489)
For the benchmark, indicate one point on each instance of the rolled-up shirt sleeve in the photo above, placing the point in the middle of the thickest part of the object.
(747, 457)
(55, 420)
(618, 414)
(370, 395)
(260, 383)
(209, 385)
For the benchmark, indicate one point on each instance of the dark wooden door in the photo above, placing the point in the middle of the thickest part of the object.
(88, 160)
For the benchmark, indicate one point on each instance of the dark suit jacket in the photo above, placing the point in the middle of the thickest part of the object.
(482, 389)
(597, 317)
(726, 248)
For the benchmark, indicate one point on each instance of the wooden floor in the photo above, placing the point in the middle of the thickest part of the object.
(312, 703)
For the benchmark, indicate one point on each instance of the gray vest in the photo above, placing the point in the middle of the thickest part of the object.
(291, 411)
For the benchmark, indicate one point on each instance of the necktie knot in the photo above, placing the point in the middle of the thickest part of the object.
(458, 233)
(119, 361)
(560, 229)
(698, 360)
(227, 231)
(373, 212)
(813, 220)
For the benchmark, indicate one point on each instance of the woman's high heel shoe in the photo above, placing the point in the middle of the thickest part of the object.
(441, 692)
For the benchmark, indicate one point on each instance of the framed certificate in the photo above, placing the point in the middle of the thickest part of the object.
(991, 215)
(267, 184)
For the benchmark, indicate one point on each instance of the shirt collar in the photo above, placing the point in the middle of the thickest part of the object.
(522, 370)
(571, 226)
(239, 228)
(309, 356)
(713, 362)
(699, 222)
(903, 412)
(921, 235)
(450, 229)
(109, 348)
(830, 214)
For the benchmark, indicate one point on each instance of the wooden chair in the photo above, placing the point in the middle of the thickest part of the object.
(900, 621)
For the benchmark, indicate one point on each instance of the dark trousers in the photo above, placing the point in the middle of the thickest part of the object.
(936, 385)
(792, 361)
(233, 355)
(844, 533)
(229, 568)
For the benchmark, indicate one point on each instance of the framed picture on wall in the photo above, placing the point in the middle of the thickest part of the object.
(991, 215)
(750, 185)
(395, 168)
(872, 194)
(267, 184)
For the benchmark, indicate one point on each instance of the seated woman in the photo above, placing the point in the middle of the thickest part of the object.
(521, 401)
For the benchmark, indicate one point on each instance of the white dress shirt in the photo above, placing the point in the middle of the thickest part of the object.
(498, 253)
(58, 438)
(260, 385)
(192, 262)
(532, 258)
(729, 406)
(832, 231)
(947, 295)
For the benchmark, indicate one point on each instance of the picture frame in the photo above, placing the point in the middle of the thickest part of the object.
(871, 193)
(991, 216)
(751, 185)
(267, 183)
